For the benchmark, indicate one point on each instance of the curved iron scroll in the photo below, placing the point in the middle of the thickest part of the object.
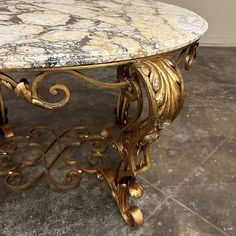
(157, 81)
(15, 162)
(22, 88)
(164, 88)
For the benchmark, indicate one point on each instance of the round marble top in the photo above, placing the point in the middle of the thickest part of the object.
(63, 33)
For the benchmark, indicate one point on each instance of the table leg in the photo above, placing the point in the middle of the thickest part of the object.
(160, 83)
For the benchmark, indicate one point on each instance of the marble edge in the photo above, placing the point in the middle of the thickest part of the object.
(89, 60)
(195, 13)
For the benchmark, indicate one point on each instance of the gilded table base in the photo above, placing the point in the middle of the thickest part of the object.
(134, 129)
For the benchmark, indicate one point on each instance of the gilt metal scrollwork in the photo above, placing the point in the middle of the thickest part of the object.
(156, 81)
(164, 88)
(14, 168)
(22, 88)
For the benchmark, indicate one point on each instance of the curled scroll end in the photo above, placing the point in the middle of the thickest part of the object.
(54, 89)
(191, 56)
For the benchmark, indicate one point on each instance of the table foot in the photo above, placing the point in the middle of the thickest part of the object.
(121, 192)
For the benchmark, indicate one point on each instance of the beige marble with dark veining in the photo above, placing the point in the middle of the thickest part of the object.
(59, 33)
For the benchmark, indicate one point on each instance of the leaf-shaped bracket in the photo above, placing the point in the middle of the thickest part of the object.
(164, 87)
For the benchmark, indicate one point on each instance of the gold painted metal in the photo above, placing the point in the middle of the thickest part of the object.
(157, 80)
(22, 88)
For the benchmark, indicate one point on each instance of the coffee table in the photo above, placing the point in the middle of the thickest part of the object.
(142, 39)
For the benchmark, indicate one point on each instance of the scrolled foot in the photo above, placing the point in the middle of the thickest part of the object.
(121, 192)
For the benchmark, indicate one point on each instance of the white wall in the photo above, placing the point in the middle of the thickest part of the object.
(221, 16)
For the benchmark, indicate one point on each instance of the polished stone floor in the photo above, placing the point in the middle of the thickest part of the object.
(191, 188)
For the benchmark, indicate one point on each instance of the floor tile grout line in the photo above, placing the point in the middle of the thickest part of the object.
(181, 204)
(161, 204)
(156, 209)
(187, 177)
(202, 162)
(208, 156)
(154, 186)
(199, 216)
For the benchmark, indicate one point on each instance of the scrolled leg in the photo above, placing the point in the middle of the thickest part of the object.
(155, 82)
(162, 83)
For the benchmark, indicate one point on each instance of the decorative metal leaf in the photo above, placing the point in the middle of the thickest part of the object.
(166, 84)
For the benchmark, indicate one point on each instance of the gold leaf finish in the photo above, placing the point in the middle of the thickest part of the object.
(168, 87)
(23, 89)
(136, 190)
(156, 82)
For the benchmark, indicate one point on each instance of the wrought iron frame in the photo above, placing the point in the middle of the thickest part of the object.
(158, 78)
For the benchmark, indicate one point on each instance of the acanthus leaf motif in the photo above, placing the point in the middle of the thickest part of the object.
(167, 87)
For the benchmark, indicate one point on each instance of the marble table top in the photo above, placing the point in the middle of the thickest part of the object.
(63, 33)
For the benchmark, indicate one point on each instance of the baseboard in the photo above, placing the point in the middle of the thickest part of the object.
(219, 40)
